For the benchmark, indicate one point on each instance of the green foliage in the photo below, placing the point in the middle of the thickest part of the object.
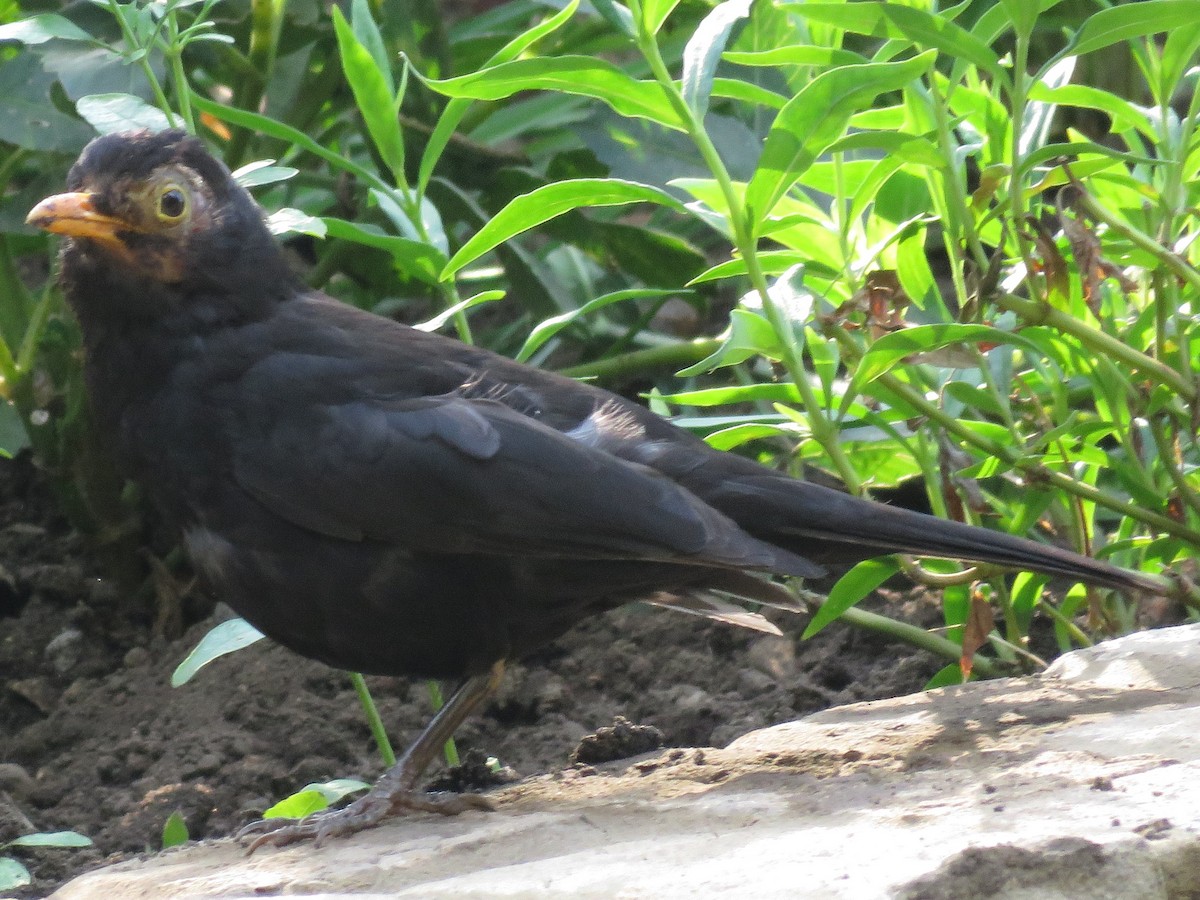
(13, 874)
(314, 798)
(227, 637)
(175, 831)
(911, 242)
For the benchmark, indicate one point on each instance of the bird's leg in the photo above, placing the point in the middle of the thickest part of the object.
(396, 791)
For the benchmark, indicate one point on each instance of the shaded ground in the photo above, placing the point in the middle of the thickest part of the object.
(94, 739)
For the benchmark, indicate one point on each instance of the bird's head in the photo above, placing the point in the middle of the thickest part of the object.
(155, 216)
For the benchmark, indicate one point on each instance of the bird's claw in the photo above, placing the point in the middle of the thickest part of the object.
(363, 813)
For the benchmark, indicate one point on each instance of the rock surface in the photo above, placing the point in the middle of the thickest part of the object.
(1081, 783)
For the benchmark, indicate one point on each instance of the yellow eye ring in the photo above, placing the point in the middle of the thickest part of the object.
(172, 203)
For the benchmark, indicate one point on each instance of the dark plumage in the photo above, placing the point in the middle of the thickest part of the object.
(395, 502)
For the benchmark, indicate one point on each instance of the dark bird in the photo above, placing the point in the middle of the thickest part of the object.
(395, 502)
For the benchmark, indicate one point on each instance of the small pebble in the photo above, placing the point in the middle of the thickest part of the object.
(136, 657)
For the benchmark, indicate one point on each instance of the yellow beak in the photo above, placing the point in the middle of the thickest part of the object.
(75, 215)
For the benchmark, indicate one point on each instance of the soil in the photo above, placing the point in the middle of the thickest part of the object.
(94, 739)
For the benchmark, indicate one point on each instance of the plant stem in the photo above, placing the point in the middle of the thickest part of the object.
(1034, 468)
(1102, 344)
(917, 637)
(373, 720)
(160, 96)
(266, 19)
(823, 429)
(637, 362)
(450, 749)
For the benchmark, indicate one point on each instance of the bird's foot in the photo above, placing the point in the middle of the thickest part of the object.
(363, 813)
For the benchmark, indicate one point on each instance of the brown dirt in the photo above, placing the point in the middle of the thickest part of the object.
(93, 738)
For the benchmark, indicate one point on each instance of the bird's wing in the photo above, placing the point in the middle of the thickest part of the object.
(457, 474)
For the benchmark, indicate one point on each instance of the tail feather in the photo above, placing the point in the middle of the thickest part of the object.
(826, 525)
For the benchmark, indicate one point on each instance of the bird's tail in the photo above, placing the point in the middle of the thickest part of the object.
(828, 526)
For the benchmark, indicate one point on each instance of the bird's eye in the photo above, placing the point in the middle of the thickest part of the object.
(172, 204)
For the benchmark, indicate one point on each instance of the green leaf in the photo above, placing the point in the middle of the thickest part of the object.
(850, 589)
(13, 874)
(547, 328)
(175, 831)
(1177, 55)
(52, 839)
(794, 55)
(655, 13)
(453, 114)
(734, 89)
(814, 119)
(295, 221)
(617, 15)
(461, 306)
(268, 126)
(946, 677)
(578, 75)
(30, 119)
(1126, 21)
(373, 96)
(39, 29)
(772, 262)
(13, 436)
(892, 348)
(1125, 117)
(224, 638)
(414, 258)
(314, 798)
(736, 435)
(703, 52)
(110, 113)
(297, 806)
(1038, 115)
(894, 20)
(781, 392)
(368, 35)
(263, 172)
(528, 210)
(1023, 15)
(908, 148)
(749, 335)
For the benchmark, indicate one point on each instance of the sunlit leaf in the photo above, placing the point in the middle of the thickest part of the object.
(547, 328)
(453, 114)
(814, 119)
(295, 221)
(581, 75)
(110, 113)
(415, 258)
(314, 798)
(373, 95)
(794, 55)
(175, 831)
(850, 589)
(1126, 21)
(896, 20)
(617, 15)
(462, 306)
(655, 13)
(227, 637)
(262, 172)
(42, 28)
(13, 874)
(547, 202)
(781, 392)
(703, 52)
(890, 349)
(52, 839)
(749, 335)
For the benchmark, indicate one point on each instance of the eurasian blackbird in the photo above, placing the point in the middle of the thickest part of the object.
(395, 502)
